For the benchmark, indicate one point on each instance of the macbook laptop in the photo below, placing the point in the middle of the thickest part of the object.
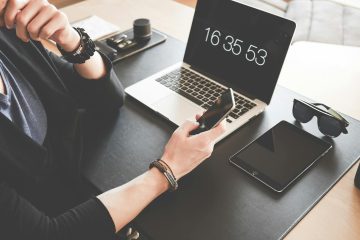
(230, 45)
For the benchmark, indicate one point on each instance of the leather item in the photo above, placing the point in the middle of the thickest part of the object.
(166, 170)
(83, 53)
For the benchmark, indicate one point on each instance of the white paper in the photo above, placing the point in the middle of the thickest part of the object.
(96, 27)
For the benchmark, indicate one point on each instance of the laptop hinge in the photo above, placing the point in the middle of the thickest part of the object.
(186, 65)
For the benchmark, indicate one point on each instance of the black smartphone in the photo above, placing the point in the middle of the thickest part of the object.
(281, 155)
(216, 113)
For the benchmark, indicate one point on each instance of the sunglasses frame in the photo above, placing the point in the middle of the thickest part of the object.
(318, 112)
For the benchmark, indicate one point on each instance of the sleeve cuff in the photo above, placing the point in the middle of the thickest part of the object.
(106, 77)
(106, 215)
(104, 92)
(96, 219)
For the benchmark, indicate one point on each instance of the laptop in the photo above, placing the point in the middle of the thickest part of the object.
(230, 45)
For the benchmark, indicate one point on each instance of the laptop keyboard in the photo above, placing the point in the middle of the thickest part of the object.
(202, 91)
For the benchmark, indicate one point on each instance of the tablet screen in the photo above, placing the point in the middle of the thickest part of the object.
(281, 155)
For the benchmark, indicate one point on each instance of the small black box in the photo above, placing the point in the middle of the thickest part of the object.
(357, 178)
(114, 55)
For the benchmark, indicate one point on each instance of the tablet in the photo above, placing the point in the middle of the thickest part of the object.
(281, 155)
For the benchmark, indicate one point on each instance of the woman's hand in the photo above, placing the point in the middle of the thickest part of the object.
(2, 10)
(183, 152)
(38, 19)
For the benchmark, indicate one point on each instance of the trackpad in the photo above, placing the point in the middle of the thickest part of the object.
(176, 108)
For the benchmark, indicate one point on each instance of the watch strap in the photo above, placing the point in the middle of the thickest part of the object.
(82, 53)
(166, 170)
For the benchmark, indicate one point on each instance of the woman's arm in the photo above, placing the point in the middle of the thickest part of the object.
(38, 19)
(183, 153)
(124, 203)
(101, 217)
(94, 68)
(19, 219)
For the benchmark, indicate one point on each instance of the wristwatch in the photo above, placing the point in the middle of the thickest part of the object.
(85, 50)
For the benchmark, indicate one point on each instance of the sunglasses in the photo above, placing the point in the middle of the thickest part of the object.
(330, 122)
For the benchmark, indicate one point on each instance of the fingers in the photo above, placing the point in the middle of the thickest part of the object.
(2, 9)
(12, 9)
(38, 23)
(184, 153)
(35, 19)
(217, 131)
(198, 116)
(205, 141)
(188, 126)
(213, 133)
(58, 22)
(24, 17)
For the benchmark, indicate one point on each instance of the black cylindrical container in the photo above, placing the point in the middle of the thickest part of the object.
(142, 30)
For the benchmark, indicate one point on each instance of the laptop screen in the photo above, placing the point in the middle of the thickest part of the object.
(239, 46)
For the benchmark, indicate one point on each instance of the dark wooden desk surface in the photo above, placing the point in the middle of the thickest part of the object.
(216, 201)
(341, 206)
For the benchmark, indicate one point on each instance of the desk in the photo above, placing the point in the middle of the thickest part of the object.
(336, 216)
(329, 74)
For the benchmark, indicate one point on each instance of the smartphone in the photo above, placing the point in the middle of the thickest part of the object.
(216, 113)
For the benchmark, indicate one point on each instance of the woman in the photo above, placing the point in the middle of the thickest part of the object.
(41, 101)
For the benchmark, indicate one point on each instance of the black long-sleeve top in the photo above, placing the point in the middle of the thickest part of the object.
(65, 95)
(21, 220)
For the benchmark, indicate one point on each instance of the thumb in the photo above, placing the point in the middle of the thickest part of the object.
(12, 9)
(2, 7)
(215, 132)
(188, 126)
(2, 11)
(198, 116)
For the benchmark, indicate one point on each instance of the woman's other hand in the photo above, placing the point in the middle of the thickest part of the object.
(38, 19)
(183, 152)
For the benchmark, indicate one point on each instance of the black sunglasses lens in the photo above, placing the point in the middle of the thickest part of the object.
(329, 126)
(302, 113)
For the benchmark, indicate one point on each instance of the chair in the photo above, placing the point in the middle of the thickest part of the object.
(326, 21)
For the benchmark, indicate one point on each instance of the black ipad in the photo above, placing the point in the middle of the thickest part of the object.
(280, 155)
